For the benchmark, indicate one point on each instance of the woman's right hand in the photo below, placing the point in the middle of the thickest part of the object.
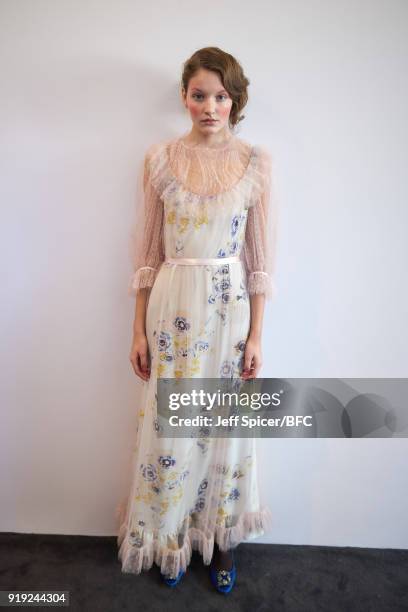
(139, 356)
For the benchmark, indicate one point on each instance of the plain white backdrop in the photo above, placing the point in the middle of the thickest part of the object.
(86, 87)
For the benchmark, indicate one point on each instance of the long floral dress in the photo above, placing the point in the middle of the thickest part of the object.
(200, 204)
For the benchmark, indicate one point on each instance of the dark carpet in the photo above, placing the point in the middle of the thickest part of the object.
(269, 577)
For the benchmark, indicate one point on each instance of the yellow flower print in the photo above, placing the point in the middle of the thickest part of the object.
(171, 217)
(161, 369)
(200, 220)
(184, 221)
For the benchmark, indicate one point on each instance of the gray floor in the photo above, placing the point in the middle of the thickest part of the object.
(270, 577)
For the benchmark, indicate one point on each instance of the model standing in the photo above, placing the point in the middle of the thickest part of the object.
(202, 273)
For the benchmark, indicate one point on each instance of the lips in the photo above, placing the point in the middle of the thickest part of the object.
(209, 121)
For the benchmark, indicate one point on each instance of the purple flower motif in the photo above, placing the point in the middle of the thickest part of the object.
(148, 471)
(221, 253)
(233, 247)
(181, 324)
(240, 346)
(166, 461)
(225, 298)
(184, 475)
(203, 486)
(200, 504)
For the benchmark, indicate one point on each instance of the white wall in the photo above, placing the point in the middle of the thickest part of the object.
(86, 87)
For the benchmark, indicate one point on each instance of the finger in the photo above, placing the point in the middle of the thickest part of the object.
(136, 366)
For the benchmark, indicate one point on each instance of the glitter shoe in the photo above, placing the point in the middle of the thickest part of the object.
(171, 582)
(224, 580)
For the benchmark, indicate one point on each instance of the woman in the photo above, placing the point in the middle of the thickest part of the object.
(202, 273)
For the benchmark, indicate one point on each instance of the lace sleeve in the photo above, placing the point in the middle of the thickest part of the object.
(147, 244)
(261, 233)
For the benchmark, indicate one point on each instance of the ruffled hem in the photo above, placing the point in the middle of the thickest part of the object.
(143, 277)
(134, 559)
(261, 282)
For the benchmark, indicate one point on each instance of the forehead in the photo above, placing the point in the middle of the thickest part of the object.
(206, 80)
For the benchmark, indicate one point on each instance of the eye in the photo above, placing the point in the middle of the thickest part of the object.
(197, 96)
(222, 96)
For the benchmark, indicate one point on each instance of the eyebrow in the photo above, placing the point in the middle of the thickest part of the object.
(221, 90)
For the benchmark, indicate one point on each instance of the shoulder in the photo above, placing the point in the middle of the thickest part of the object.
(155, 150)
(260, 153)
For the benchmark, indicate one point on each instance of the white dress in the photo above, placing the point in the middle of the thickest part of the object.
(199, 203)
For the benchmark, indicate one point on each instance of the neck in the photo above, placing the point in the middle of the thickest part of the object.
(195, 137)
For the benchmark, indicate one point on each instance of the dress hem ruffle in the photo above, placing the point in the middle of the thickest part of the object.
(134, 559)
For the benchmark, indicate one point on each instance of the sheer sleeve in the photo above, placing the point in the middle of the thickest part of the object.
(259, 248)
(147, 243)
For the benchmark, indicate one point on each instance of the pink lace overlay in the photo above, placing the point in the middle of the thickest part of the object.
(216, 176)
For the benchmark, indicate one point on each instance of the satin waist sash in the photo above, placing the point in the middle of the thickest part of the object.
(203, 261)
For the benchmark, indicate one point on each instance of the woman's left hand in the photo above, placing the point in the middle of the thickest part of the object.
(252, 358)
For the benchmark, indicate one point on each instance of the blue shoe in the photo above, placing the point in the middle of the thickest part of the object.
(171, 582)
(224, 580)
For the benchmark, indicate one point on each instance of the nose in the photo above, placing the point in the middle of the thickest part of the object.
(210, 108)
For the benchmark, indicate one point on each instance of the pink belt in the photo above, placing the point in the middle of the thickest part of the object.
(212, 261)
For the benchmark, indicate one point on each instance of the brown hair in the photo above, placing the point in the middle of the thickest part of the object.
(230, 72)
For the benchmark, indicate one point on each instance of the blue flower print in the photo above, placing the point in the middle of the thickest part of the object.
(200, 504)
(221, 253)
(164, 341)
(148, 472)
(181, 324)
(235, 224)
(226, 368)
(234, 494)
(237, 473)
(203, 486)
(201, 346)
(221, 469)
(222, 285)
(171, 484)
(225, 298)
(166, 461)
(184, 475)
(135, 540)
(233, 247)
(240, 346)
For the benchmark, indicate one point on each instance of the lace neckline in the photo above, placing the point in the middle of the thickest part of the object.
(198, 147)
(235, 186)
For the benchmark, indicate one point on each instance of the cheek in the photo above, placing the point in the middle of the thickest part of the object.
(194, 109)
(224, 111)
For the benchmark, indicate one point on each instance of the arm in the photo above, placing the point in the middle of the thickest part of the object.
(259, 259)
(148, 254)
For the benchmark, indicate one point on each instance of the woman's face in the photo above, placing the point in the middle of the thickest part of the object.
(206, 99)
